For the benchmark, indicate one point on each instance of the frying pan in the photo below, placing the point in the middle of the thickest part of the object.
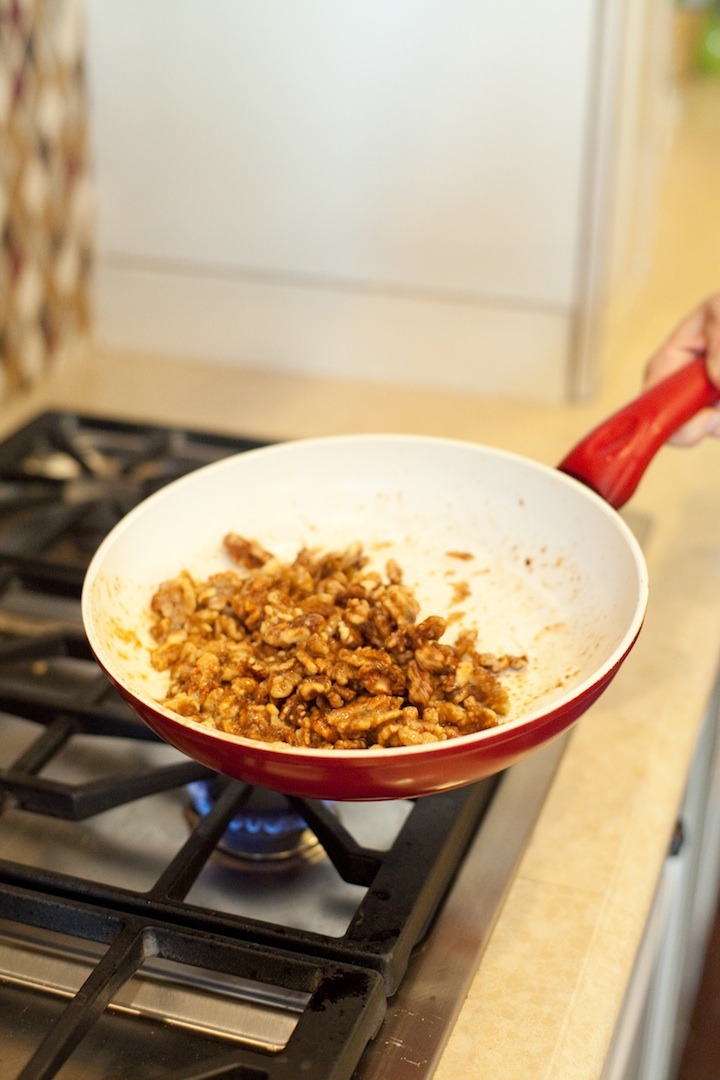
(549, 566)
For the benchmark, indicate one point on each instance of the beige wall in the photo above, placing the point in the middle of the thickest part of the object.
(415, 192)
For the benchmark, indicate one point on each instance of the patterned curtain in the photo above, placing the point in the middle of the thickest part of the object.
(46, 217)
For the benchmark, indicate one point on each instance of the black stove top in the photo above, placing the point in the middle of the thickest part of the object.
(65, 479)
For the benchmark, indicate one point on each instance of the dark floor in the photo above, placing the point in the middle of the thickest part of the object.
(701, 1059)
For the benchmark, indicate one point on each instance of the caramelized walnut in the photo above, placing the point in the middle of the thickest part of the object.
(320, 652)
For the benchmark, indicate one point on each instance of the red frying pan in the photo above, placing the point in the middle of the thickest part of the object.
(555, 574)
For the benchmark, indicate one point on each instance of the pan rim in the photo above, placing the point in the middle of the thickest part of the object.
(496, 735)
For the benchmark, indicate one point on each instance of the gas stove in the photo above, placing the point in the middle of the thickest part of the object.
(160, 921)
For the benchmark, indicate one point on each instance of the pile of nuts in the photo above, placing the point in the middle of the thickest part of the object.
(320, 652)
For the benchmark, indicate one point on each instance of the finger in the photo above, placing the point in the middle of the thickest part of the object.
(673, 355)
(712, 340)
(697, 334)
(704, 423)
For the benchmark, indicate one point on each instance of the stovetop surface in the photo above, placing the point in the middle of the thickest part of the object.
(134, 943)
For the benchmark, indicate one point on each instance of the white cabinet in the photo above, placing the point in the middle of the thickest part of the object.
(414, 191)
(653, 1027)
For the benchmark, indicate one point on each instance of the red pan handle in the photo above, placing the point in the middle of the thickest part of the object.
(613, 457)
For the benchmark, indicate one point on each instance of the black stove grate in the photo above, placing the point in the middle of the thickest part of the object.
(64, 480)
(405, 883)
(349, 978)
(344, 1011)
(67, 479)
(345, 1008)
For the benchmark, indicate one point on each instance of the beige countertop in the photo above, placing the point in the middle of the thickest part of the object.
(550, 987)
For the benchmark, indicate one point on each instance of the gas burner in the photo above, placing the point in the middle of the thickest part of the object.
(267, 834)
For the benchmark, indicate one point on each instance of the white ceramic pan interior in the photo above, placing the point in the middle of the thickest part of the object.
(552, 571)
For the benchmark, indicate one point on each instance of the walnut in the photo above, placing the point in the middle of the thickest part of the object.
(321, 652)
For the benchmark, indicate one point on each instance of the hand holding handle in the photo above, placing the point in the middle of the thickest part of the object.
(613, 457)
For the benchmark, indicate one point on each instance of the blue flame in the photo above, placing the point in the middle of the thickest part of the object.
(254, 830)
